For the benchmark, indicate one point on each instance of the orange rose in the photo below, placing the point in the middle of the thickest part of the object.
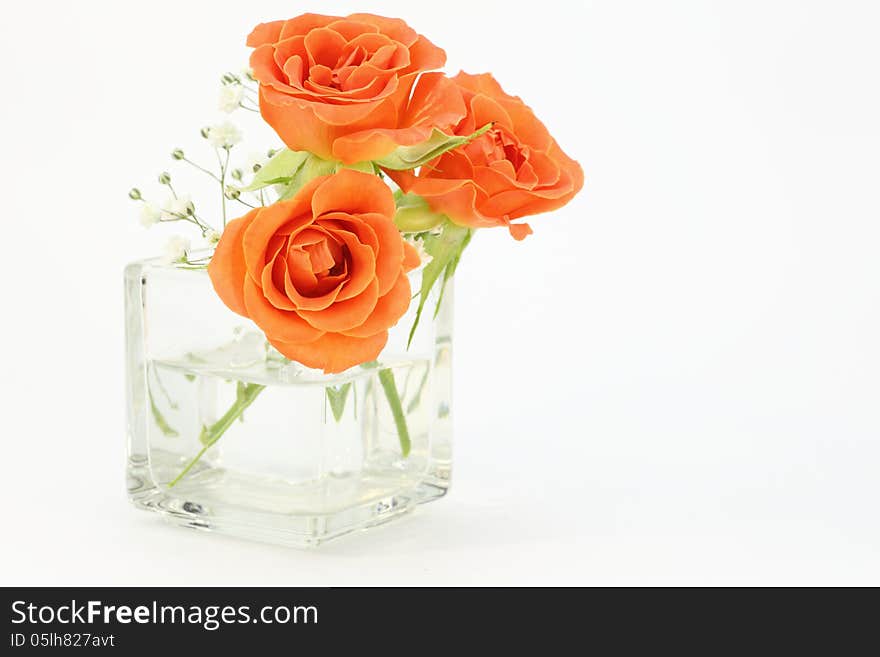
(323, 274)
(340, 87)
(514, 170)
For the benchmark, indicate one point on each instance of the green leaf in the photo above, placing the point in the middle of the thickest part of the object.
(363, 167)
(337, 397)
(280, 169)
(414, 215)
(445, 249)
(293, 169)
(311, 167)
(450, 269)
(411, 157)
(244, 397)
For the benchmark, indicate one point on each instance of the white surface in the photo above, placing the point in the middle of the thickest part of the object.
(675, 380)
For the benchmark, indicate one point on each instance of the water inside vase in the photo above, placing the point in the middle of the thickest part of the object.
(304, 441)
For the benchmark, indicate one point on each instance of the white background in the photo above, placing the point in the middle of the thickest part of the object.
(675, 380)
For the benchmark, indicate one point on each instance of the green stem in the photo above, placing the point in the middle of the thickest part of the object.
(223, 167)
(201, 168)
(386, 378)
(247, 393)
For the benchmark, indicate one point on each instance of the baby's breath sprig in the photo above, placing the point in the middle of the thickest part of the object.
(178, 154)
(177, 249)
(180, 208)
(222, 137)
(236, 91)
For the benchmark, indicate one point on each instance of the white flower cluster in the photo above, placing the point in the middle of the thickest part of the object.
(232, 93)
(177, 207)
(150, 214)
(237, 91)
(224, 135)
(176, 249)
(230, 98)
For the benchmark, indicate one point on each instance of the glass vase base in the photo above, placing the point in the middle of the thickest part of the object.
(226, 434)
(301, 515)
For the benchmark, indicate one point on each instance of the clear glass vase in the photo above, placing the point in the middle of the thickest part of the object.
(225, 434)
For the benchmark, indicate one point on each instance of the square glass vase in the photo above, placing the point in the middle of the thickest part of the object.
(225, 434)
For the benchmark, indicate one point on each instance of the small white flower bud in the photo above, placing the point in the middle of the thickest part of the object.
(237, 174)
(134, 194)
(232, 193)
(212, 236)
(177, 154)
(164, 178)
(255, 161)
(205, 132)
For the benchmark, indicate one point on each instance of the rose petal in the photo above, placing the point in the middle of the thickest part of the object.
(275, 294)
(345, 315)
(389, 309)
(309, 302)
(266, 69)
(354, 192)
(227, 268)
(411, 257)
(269, 220)
(333, 352)
(324, 46)
(389, 258)
(265, 33)
(363, 265)
(290, 48)
(392, 27)
(304, 23)
(351, 29)
(425, 56)
(276, 324)
(519, 231)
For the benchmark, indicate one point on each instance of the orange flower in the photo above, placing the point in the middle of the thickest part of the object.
(340, 87)
(514, 170)
(323, 274)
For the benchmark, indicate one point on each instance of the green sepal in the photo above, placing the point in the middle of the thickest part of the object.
(363, 167)
(279, 169)
(412, 157)
(311, 167)
(337, 397)
(449, 271)
(414, 215)
(290, 170)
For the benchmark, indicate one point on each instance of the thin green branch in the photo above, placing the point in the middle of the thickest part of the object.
(245, 396)
(386, 378)
(201, 168)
